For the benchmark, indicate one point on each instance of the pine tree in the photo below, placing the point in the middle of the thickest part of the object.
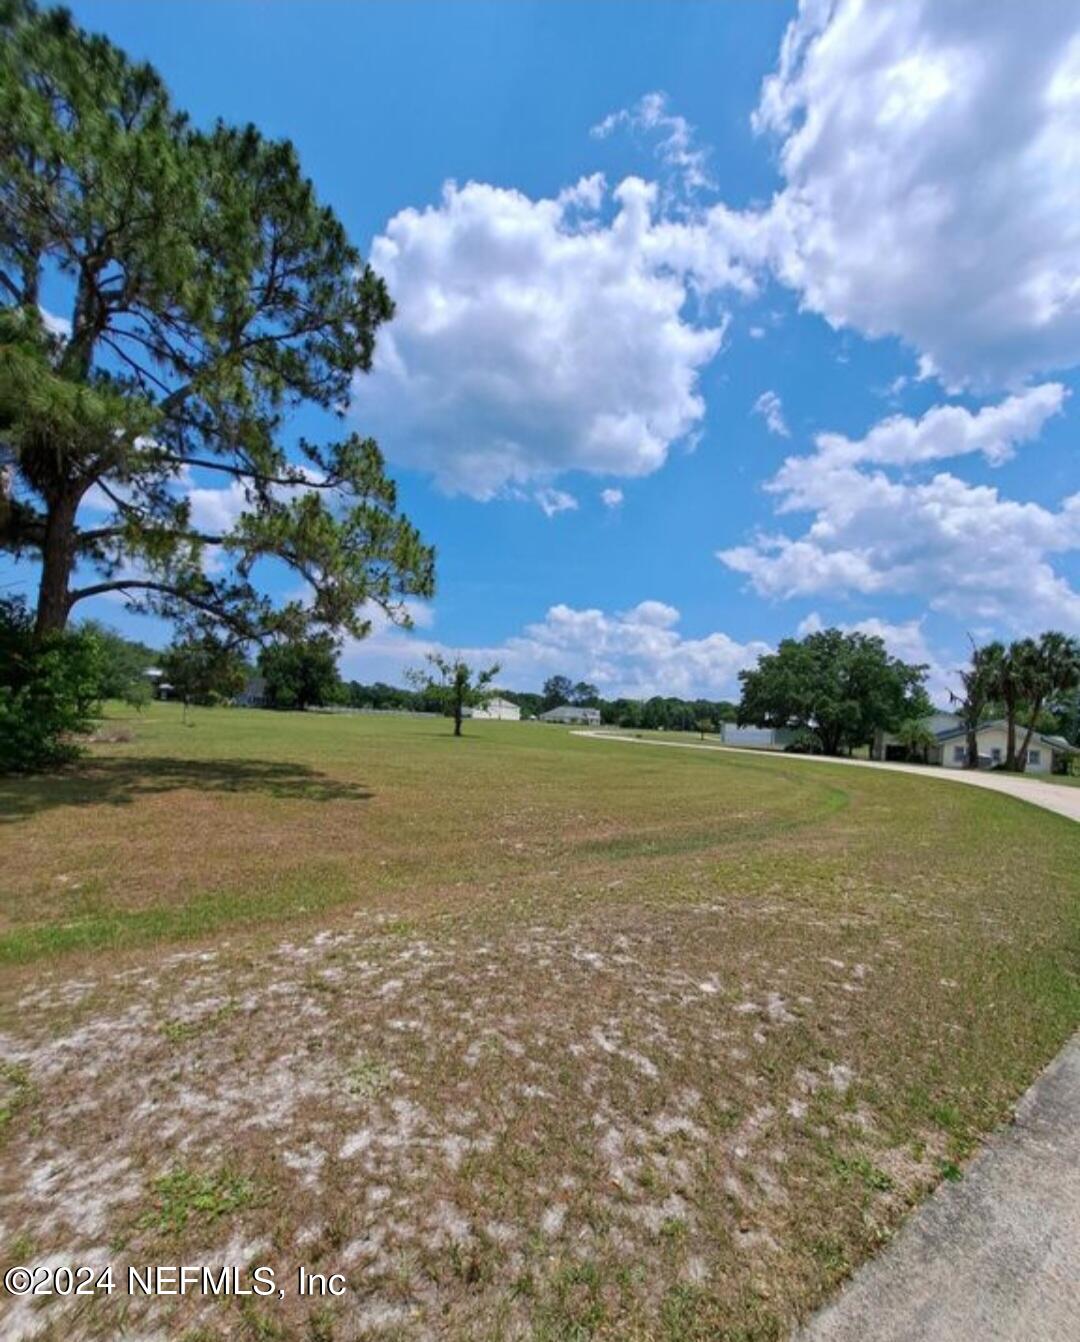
(211, 295)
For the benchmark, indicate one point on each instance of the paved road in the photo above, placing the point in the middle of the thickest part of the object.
(995, 1257)
(1058, 797)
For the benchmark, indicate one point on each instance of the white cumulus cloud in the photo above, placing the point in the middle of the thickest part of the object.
(931, 157)
(964, 548)
(534, 337)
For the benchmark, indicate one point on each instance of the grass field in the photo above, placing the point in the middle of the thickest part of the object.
(527, 1035)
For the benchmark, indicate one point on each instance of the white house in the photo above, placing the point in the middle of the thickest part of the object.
(1045, 753)
(500, 709)
(572, 713)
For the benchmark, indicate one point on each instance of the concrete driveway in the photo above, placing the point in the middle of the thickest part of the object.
(1058, 797)
(995, 1257)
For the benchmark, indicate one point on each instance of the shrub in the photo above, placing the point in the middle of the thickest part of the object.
(804, 742)
(138, 693)
(47, 691)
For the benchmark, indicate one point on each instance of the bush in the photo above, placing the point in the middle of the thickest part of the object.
(804, 742)
(48, 691)
(137, 694)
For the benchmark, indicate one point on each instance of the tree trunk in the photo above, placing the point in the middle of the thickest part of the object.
(457, 717)
(972, 749)
(1021, 763)
(57, 561)
(1010, 738)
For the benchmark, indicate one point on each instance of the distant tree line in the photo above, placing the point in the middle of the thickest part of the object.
(830, 691)
(657, 713)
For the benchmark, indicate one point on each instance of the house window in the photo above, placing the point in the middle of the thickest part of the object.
(995, 754)
(1034, 757)
(959, 754)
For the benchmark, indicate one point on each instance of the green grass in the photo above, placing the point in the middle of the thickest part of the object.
(525, 1033)
(16, 1090)
(247, 818)
(184, 1195)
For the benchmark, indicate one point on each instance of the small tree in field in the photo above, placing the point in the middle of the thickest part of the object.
(705, 725)
(455, 684)
(204, 669)
(138, 693)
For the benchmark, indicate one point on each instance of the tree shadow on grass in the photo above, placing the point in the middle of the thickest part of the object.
(119, 782)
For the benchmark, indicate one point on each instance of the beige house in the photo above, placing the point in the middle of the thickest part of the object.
(1045, 753)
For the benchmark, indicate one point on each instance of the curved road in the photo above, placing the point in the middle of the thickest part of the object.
(996, 1257)
(1057, 797)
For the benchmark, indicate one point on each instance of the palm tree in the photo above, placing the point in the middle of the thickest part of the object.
(979, 681)
(1011, 679)
(1051, 667)
(916, 738)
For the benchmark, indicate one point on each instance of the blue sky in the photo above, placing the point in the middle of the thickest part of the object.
(818, 238)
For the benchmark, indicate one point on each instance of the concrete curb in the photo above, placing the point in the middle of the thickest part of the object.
(994, 1258)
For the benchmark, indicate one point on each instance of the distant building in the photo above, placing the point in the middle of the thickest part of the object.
(950, 748)
(572, 713)
(498, 709)
(159, 687)
(756, 738)
(253, 695)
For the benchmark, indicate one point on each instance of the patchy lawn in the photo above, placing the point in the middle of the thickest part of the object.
(526, 1035)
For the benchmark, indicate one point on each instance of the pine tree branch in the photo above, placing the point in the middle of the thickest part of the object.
(215, 609)
(250, 473)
